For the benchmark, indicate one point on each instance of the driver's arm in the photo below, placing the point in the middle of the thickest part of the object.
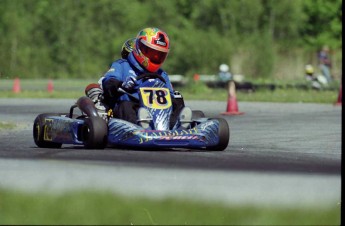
(112, 81)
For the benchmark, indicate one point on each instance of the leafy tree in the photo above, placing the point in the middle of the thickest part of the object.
(323, 23)
(80, 38)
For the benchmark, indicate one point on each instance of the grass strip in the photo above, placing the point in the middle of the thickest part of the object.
(100, 208)
(6, 125)
(74, 88)
(278, 96)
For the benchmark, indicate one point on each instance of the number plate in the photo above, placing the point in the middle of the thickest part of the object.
(157, 98)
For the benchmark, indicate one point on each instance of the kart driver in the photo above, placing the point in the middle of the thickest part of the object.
(94, 90)
(146, 55)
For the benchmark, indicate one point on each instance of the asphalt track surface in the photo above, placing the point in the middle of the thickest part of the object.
(279, 154)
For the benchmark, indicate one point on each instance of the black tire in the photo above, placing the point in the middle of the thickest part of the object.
(224, 136)
(197, 114)
(94, 133)
(38, 132)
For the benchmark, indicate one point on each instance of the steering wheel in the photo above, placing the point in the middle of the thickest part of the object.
(147, 76)
(144, 77)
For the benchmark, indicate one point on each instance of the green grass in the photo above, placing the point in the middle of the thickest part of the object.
(6, 125)
(282, 95)
(279, 95)
(100, 208)
(43, 94)
(290, 96)
(75, 88)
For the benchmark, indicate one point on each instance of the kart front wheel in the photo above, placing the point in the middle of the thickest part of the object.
(223, 134)
(38, 132)
(94, 133)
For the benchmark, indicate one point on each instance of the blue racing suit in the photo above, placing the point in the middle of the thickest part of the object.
(113, 79)
(118, 72)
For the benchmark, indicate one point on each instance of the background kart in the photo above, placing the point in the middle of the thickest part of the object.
(51, 130)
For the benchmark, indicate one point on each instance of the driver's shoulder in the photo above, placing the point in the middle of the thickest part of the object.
(121, 64)
(162, 72)
(120, 61)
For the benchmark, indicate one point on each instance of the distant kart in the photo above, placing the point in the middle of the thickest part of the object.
(51, 130)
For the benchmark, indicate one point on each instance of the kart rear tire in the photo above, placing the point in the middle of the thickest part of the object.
(223, 134)
(38, 132)
(94, 133)
(197, 114)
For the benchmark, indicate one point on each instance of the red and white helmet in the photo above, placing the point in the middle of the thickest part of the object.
(151, 48)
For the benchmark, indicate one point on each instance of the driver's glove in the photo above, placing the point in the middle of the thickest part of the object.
(129, 83)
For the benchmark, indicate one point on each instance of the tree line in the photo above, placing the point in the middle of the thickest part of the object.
(80, 38)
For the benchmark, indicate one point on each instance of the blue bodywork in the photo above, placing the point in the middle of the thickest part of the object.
(61, 129)
(127, 134)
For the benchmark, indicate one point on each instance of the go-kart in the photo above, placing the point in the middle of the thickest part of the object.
(51, 130)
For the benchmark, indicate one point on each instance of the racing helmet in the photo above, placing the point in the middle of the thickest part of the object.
(223, 68)
(151, 48)
(127, 47)
(309, 70)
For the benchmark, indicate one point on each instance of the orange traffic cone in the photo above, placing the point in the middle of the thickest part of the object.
(339, 100)
(16, 86)
(196, 77)
(232, 106)
(50, 86)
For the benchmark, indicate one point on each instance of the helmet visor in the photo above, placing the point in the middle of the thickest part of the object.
(155, 56)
